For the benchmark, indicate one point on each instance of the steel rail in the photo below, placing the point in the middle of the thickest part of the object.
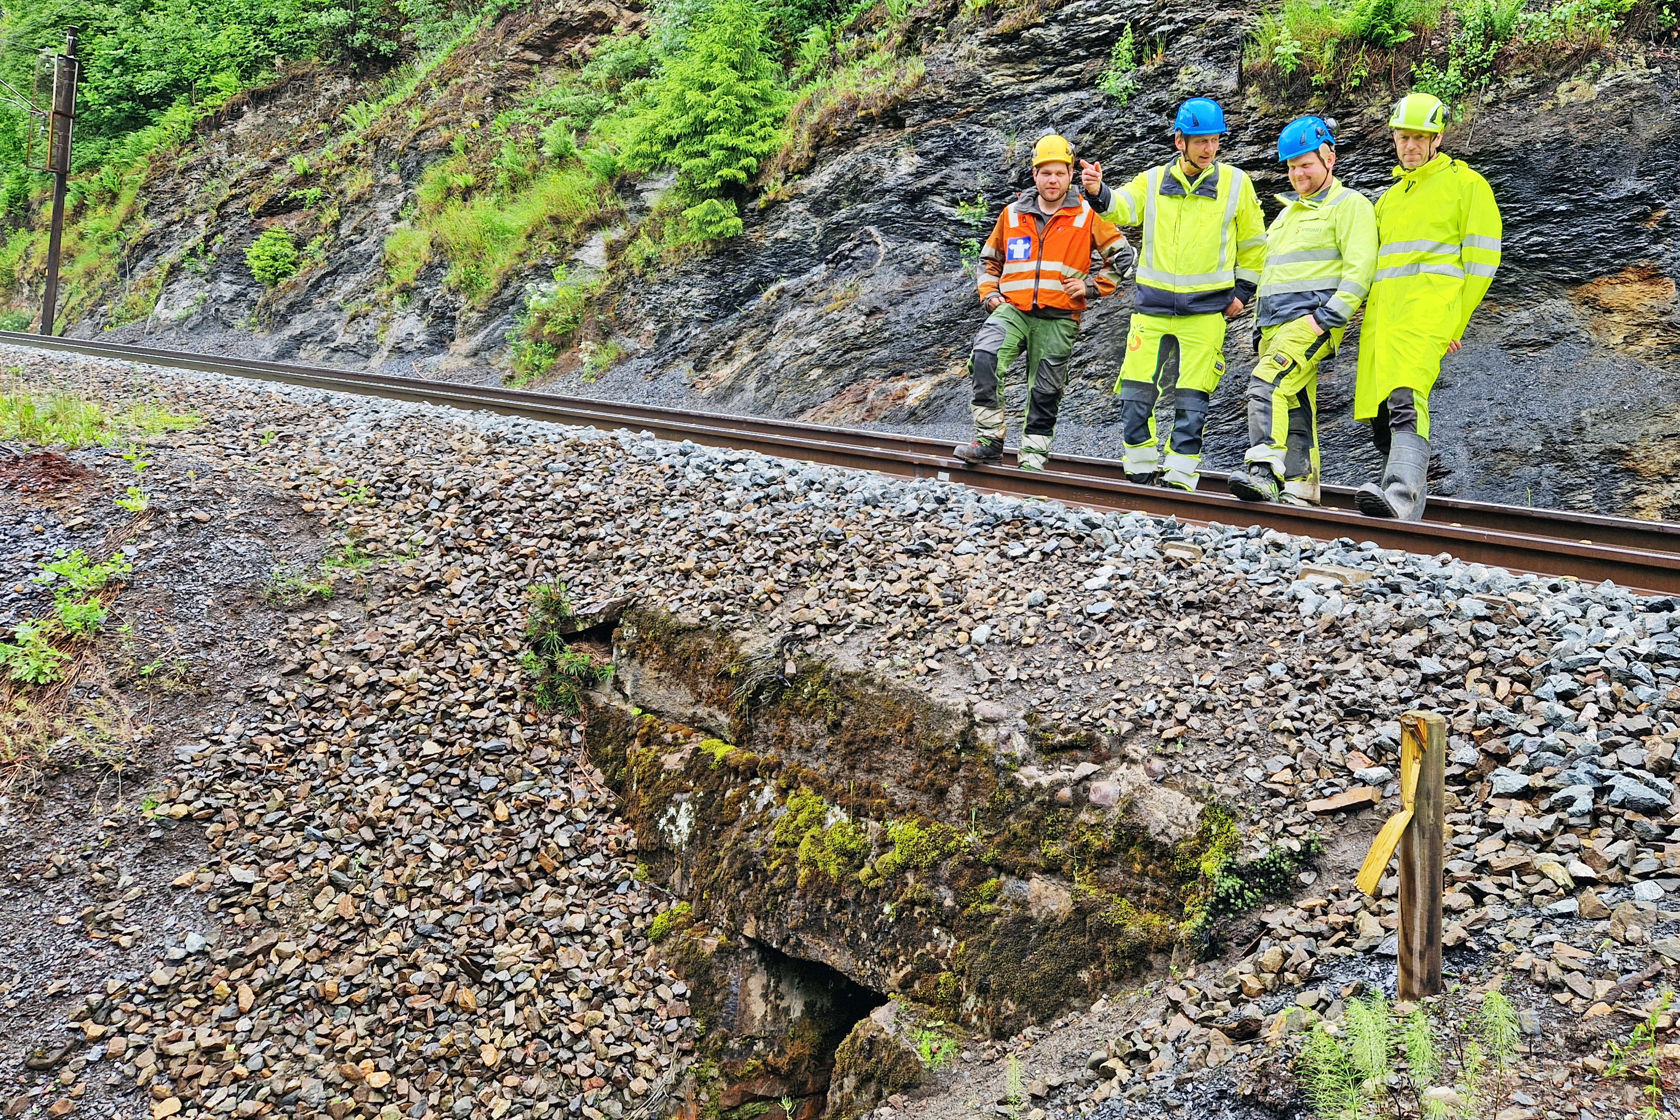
(1641, 555)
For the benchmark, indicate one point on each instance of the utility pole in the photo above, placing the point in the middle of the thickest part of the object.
(60, 123)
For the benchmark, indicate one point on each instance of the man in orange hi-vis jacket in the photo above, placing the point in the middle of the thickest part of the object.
(1047, 257)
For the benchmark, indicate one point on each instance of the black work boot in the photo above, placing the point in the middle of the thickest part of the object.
(982, 450)
(1257, 484)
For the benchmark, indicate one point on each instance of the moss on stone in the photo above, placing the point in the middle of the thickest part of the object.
(917, 845)
(837, 851)
(717, 750)
(825, 827)
(667, 922)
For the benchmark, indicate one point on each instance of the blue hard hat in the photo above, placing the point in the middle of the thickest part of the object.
(1200, 116)
(1303, 135)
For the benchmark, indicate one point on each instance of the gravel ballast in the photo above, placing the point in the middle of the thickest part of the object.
(418, 902)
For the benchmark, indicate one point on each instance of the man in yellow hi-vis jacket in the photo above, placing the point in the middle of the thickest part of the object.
(1204, 239)
(1320, 253)
(1438, 246)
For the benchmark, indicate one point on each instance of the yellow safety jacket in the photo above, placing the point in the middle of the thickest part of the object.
(1438, 246)
(1203, 241)
(1320, 254)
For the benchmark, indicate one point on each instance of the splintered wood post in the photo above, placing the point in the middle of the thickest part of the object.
(1424, 734)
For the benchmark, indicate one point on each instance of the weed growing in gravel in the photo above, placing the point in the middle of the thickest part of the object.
(291, 589)
(356, 492)
(1638, 1057)
(66, 420)
(1375, 1062)
(82, 574)
(1014, 1086)
(934, 1047)
(31, 657)
(136, 499)
(81, 615)
(558, 673)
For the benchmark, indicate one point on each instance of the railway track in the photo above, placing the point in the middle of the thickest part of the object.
(1642, 555)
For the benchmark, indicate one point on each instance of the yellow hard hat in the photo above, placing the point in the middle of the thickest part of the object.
(1052, 149)
(1419, 112)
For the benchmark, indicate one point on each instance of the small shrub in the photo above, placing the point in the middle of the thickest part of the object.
(1120, 81)
(711, 221)
(557, 674)
(552, 315)
(81, 574)
(80, 615)
(272, 257)
(33, 659)
(715, 112)
(16, 320)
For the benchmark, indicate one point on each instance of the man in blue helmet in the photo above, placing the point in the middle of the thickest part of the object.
(1321, 251)
(1204, 239)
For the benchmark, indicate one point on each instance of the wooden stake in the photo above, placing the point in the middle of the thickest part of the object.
(1424, 736)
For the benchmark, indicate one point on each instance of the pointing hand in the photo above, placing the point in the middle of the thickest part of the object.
(1090, 176)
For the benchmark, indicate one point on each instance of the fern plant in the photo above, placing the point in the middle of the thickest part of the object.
(1375, 1064)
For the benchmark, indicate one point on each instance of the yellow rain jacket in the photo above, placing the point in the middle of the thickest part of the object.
(1203, 241)
(1320, 254)
(1438, 246)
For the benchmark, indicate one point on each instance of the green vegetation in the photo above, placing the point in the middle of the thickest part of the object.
(484, 235)
(78, 573)
(934, 1045)
(552, 316)
(295, 588)
(1447, 47)
(272, 257)
(973, 215)
(714, 114)
(1220, 885)
(558, 673)
(1376, 1062)
(1120, 81)
(136, 499)
(32, 657)
(667, 922)
(1639, 1057)
(66, 420)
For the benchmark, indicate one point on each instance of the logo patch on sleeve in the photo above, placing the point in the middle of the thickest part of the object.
(1020, 249)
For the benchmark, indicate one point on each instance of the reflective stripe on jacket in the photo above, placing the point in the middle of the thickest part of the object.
(1203, 241)
(1026, 266)
(1320, 254)
(1438, 247)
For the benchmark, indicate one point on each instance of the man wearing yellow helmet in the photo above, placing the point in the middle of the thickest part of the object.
(1048, 256)
(1438, 246)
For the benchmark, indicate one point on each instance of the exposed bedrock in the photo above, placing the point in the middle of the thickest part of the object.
(988, 869)
(848, 303)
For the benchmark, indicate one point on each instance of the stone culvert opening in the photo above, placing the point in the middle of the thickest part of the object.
(774, 1023)
(983, 870)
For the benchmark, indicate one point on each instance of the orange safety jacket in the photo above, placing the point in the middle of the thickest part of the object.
(1028, 254)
